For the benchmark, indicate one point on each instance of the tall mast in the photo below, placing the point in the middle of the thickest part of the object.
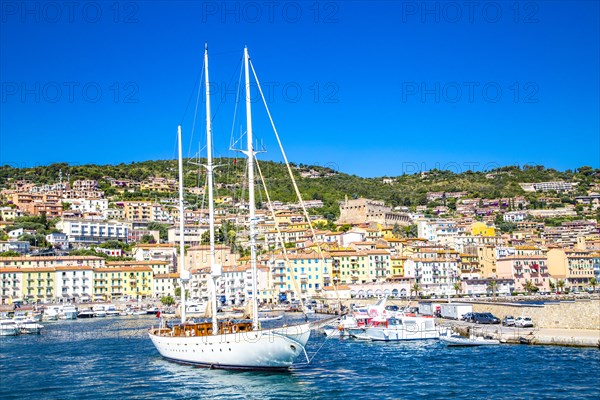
(182, 272)
(250, 155)
(215, 271)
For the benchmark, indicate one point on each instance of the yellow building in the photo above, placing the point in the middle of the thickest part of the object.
(481, 229)
(157, 267)
(352, 266)
(133, 282)
(38, 284)
(397, 265)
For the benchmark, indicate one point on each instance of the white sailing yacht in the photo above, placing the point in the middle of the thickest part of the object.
(229, 344)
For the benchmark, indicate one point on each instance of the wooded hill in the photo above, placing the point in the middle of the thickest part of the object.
(318, 182)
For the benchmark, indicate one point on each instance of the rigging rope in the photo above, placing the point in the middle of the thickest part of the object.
(288, 265)
(319, 250)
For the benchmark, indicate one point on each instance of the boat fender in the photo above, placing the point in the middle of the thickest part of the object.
(340, 328)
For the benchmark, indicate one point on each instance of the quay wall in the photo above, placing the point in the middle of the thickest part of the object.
(580, 314)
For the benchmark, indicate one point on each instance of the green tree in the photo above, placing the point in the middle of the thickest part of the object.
(560, 284)
(396, 230)
(163, 230)
(147, 239)
(530, 287)
(491, 287)
(168, 300)
(593, 284)
(10, 254)
(415, 289)
(457, 288)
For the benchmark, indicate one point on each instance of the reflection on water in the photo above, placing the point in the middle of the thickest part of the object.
(114, 358)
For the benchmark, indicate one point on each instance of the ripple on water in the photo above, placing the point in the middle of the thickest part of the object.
(113, 358)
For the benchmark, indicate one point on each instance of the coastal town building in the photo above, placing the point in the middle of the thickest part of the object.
(359, 211)
(80, 231)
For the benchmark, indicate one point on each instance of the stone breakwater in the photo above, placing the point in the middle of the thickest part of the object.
(579, 314)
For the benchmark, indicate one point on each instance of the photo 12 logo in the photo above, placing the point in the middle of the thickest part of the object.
(469, 92)
(326, 12)
(452, 12)
(288, 92)
(52, 12)
(69, 92)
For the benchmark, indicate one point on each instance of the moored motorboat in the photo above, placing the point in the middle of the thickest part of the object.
(8, 327)
(87, 313)
(99, 311)
(455, 340)
(68, 312)
(111, 311)
(402, 328)
(27, 324)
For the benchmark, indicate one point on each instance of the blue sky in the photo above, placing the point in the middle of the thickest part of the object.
(368, 88)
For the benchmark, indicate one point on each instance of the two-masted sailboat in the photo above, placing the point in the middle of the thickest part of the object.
(222, 343)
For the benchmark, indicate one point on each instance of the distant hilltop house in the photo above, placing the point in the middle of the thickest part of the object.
(359, 211)
(547, 186)
(433, 196)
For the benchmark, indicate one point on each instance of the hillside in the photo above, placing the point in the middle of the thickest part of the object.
(318, 182)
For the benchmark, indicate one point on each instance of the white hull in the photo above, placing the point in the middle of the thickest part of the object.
(397, 334)
(69, 314)
(256, 350)
(404, 328)
(463, 341)
(9, 328)
(30, 327)
(263, 319)
(357, 333)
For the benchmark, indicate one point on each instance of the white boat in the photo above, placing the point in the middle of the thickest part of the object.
(455, 340)
(27, 324)
(343, 326)
(99, 311)
(402, 328)
(140, 312)
(8, 327)
(68, 312)
(270, 318)
(196, 308)
(111, 311)
(354, 325)
(87, 313)
(230, 345)
(152, 311)
(51, 313)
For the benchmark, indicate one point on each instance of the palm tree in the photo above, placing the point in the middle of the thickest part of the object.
(416, 289)
(457, 288)
(529, 287)
(492, 287)
(560, 284)
(593, 284)
(552, 286)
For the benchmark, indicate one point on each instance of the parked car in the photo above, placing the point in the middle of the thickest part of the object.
(467, 317)
(509, 320)
(524, 322)
(495, 320)
(482, 318)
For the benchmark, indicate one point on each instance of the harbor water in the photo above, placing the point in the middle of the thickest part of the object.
(108, 358)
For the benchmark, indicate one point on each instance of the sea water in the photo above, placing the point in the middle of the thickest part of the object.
(113, 358)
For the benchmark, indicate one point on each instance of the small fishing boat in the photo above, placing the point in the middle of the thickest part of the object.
(270, 318)
(456, 340)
